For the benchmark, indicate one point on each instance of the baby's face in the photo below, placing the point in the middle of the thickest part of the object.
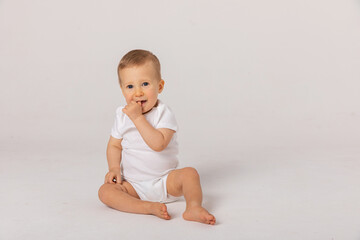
(141, 84)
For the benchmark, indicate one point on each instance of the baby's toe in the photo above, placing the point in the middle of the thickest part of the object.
(164, 212)
(210, 219)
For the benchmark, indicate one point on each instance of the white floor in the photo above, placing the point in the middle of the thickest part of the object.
(263, 193)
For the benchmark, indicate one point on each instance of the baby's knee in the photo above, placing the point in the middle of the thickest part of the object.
(103, 192)
(191, 172)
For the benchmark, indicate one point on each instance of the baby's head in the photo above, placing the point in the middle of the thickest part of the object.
(140, 78)
(137, 58)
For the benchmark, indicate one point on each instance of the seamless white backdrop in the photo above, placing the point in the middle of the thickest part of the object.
(272, 72)
(240, 75)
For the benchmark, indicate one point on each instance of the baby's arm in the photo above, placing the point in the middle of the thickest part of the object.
(156, 139)
(113, 154)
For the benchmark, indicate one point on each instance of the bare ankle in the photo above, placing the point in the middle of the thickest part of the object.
(148, 207)
(192, 205)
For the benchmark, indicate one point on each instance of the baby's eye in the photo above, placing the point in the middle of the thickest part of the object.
(145, 84)
(129, 86)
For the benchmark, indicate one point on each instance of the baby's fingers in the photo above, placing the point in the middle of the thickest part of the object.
(118, 178)
(109, 178)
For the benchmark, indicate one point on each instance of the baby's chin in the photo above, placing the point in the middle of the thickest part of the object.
(146, 109)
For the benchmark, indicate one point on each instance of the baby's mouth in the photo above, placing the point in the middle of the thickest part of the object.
(142, 102)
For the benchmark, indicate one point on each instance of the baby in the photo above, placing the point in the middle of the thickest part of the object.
(142, 149)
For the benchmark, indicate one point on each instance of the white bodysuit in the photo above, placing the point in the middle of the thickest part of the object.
(141, 166)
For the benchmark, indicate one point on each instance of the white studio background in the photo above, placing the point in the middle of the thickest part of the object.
(237, 72)
(239, 75)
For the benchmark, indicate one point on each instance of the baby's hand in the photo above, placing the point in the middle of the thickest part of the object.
(133, 110)
(113, 176)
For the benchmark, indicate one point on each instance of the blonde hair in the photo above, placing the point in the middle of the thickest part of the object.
(138, 57)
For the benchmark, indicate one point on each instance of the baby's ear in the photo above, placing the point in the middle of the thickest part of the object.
(161, 85)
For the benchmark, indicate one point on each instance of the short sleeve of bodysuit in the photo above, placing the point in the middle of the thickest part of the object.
(119, 120)
(165, 118)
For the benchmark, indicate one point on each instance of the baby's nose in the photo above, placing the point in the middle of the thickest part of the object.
(138, 92)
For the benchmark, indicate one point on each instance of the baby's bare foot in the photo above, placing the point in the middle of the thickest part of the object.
(199, 214)
(159, 210)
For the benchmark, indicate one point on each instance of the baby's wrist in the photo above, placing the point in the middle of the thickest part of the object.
(114, 169)
(138, 119)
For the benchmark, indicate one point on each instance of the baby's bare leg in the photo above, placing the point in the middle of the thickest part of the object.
(123, 197)
(186, 182)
